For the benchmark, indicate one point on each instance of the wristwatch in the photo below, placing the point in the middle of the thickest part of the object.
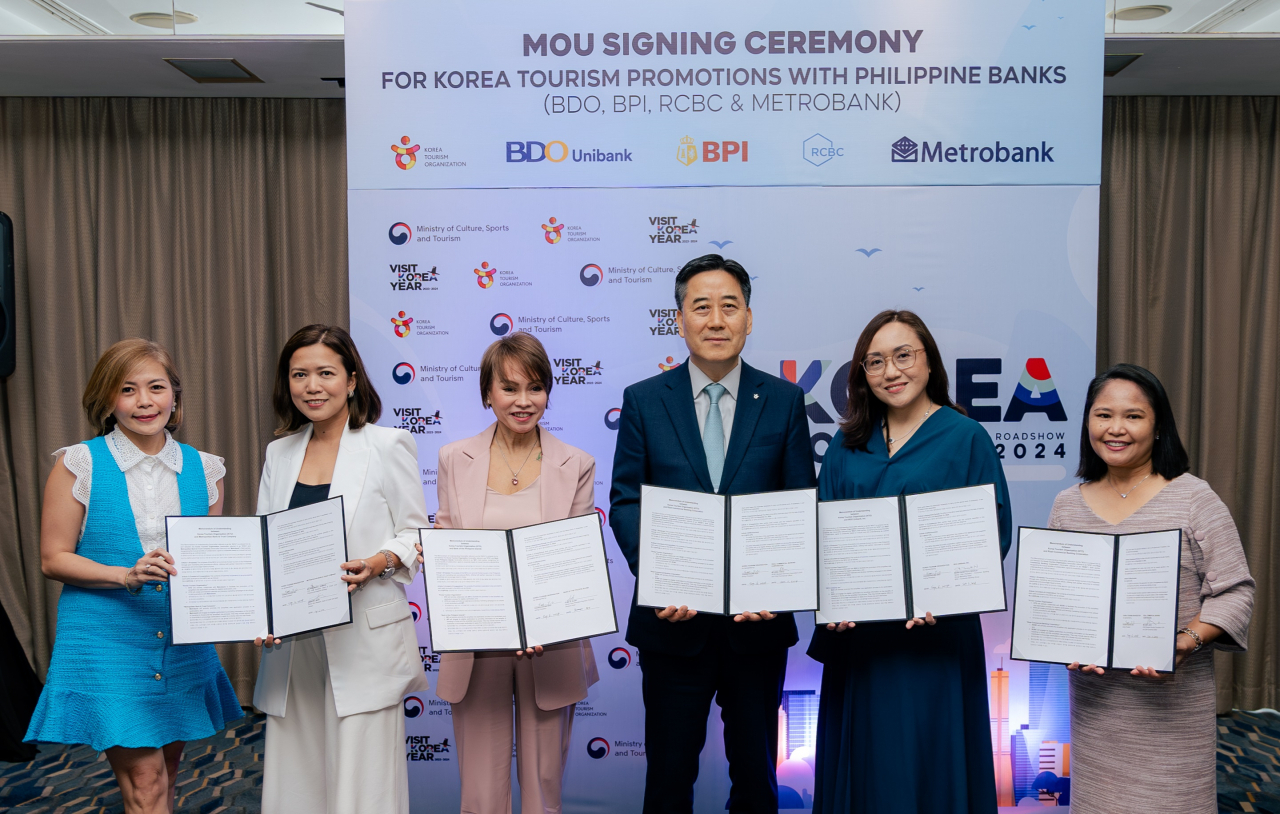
(390, 569)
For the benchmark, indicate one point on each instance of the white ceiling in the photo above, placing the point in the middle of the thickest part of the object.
(1199, 16)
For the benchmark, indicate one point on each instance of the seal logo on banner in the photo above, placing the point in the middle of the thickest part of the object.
(399, 233)
(688, 151)
(619, 658)
(598, 748)
(591, 274)
(613, 417)
(412, 707)
(552, 231)
(402, 373)
(406, 156)
(484, 275)
(415, 610)
(501, 324)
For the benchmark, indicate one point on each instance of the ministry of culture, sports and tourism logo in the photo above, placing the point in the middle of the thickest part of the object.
(501, 324)
(403, 372)
(604, 518)
(406, 156)
(415, 610)
(399, 233)
(484, 275)
(613, 417)
(906, 151)
(598, 748)
(400, 324)
(551, 231)
(412, 706)
(591, 274)
(688, 151)
(619, 658)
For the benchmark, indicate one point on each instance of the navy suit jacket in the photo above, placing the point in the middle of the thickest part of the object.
(659, 444)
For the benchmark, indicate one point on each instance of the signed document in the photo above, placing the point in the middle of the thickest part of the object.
(1109, 600)
(894, 558)
(728, 554)
(240, 578)
(519, 588)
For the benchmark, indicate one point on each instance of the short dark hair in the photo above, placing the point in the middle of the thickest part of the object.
(521, 349)
(864, 412)
(365, 406)
(712, 262)
(1168, 457)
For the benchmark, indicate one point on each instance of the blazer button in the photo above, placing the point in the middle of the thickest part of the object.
(158, 676)
(159, 588)
(159, 634)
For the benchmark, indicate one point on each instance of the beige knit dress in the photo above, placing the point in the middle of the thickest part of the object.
(1143, 744)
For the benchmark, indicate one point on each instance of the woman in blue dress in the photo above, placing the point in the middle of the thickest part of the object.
(115, 681)
(903, 722)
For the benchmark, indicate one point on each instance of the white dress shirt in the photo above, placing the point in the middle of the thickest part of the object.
(152, 481)
(728, 400)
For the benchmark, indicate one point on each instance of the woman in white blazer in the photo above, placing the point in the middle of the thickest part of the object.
(335, 729)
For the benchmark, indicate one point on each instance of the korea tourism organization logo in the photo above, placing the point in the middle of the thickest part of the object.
(551, 231)
(484, 275)
(573, 371)
(409, 277)
(671, 364)
(406, 156)
(402, 325)
(417, 420)
(399, 233)
(489, 275)
(590, 274)
(672, 229)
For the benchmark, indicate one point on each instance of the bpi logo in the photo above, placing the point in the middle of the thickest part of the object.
(415, 610)
(501, 324)
(412, 707)
(591, 274)
(598, 748)
(906, 151)
(402, 373)
(712, 151)
(818, 150)
(484, 275)
(613, 417)
(551, 231)
(534, 151)
(401, 325)
(399, 233)
(406, 156)
(671, 364)
(619, 658)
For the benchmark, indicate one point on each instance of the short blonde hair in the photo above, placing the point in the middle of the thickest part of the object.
(103, 391)
(520, 349)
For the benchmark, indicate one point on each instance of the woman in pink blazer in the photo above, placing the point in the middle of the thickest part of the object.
(514, 474)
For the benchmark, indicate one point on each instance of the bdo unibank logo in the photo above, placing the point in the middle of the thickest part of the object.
(591, 274)
(406, 156)
(613, 417)
(412, 706)
(400, 324)
(619, 658)
(484, 275)
(415, 610)
(551, 231)
(399, 233)
(671, 364)
(402, 373)
(573, 371)
(501, 324)
(598, 748)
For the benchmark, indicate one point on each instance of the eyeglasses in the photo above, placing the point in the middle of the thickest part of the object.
(903, 358)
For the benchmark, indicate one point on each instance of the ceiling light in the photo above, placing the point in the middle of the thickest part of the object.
(159, 19)
(1137, 13)
(213, 70)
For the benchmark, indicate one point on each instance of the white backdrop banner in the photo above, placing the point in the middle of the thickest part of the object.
(441, 265)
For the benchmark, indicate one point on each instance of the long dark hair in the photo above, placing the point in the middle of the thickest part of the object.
(365, 406)
(865, 412)
(1168, 457)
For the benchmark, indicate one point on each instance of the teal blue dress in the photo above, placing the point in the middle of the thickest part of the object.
(903, 722)
(115, 678)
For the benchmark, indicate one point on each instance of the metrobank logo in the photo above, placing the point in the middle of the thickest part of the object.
(400, 324)
(591, 274)
(904, 150)
(413, 706)
(818, 150)
(399, 233)
(484, 275)
(501, 324)
(402, 373)
(613, 417)
(532, 152)
(551, 231)
(406, 156)
(598, 748)
(712, 151)
(619, 658)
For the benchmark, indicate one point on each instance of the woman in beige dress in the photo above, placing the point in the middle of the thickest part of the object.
(514, 474)
(1144, 741)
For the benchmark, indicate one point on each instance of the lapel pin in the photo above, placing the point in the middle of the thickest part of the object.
(756, 395)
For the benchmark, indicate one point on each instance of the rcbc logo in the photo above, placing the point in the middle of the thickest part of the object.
(598, 748)
(619, 658)
(591, 274)
(399, 233)
(501, 324)
(534, 151)
(613, 417)
(415, 610)
(551, 231)
(484, 275)
(402, 373)
(406, 156)
(412, 707)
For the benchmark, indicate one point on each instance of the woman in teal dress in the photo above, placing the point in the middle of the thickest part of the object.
(115, 681)
(903, 721)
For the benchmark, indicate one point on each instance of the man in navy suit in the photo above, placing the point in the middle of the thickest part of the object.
(713, 424)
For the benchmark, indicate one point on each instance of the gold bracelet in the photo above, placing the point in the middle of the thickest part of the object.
(1196, 636)
(132, 591)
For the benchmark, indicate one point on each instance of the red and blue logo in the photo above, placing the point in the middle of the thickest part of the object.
(613, 417)
(591, 274)
(399, 233)
(807, 381)
(415, 610)
(501, 324)
(1035, 379)
(402, 373)
(619, 658)
(412, 707)
(604, 519)
(598, 748)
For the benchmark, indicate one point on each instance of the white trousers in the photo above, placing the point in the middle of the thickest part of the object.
(318, 763)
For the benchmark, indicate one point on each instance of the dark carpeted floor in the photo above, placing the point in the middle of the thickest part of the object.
(223, 774)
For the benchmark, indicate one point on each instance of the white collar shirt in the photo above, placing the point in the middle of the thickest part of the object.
(728, 401)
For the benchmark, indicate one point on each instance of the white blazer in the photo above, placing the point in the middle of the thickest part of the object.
(374, 661)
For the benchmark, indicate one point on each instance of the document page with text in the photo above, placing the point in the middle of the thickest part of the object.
(682, 550)
(219, 593)
(306, 548)
(773, 551)
(471, 602)
(1146, 608)
(862, 575)
(954, 550)
(563, 578)
(1062, 598)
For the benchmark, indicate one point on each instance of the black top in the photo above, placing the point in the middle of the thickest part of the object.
(304, 494)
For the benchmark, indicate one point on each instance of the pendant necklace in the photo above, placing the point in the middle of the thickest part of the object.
(1125, 495)
(515, 473)
(892, 441)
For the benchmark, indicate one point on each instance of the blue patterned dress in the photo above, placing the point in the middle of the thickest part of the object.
(115, 679)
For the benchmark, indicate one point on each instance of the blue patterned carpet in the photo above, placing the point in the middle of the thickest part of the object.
(223, 774)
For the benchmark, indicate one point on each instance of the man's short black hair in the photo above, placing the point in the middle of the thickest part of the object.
(712, 262)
